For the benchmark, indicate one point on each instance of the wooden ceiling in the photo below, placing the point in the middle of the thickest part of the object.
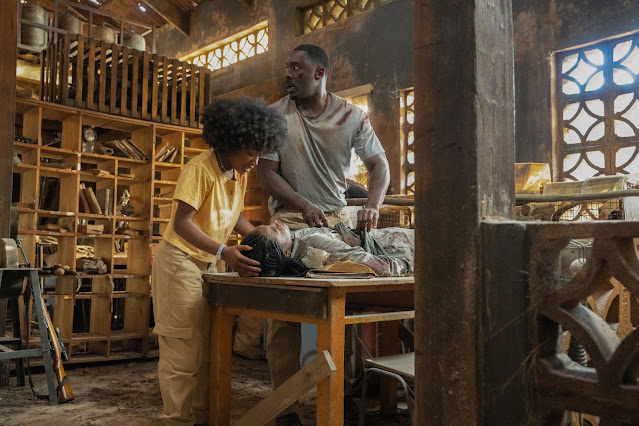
(156, 12)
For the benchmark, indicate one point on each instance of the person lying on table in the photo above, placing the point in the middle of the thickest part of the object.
(389, 252)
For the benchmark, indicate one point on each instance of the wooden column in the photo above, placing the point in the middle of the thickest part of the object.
(8, 52)
(464, 130)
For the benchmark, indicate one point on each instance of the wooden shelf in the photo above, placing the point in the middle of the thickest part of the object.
(192, 152)
(140, 178)
(159, 165)
(164, 183)
(162, 200)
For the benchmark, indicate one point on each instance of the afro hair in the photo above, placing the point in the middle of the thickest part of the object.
(243, 123)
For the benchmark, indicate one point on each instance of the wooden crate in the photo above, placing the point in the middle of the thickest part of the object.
(87, 73)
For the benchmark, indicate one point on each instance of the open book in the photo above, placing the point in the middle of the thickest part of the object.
(346, 269)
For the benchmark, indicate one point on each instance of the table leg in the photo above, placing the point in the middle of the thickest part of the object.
(330, 336)
(220, 388)
(388, 386)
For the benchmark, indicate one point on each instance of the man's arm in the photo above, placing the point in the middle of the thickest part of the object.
(378, 180)
(243, 226)
(272, 183)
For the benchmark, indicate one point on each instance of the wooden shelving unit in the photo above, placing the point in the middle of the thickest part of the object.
(102, 316)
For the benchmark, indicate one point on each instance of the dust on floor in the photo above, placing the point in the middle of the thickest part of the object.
(128, 393)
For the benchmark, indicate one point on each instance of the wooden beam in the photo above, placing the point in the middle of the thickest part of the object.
(171, 13)
(290, 391)
(8, 53)
(464, 137)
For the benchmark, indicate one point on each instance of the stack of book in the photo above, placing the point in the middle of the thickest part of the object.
(88, 202)
(126, 148)
(167, 153)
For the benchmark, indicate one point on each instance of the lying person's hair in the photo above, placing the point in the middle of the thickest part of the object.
(273, 261)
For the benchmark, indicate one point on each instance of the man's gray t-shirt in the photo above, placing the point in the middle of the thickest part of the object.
(316, 157)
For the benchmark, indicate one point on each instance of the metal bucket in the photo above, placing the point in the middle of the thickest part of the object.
(32, 36)
(70, 23)
(133, 40)
(105, 32)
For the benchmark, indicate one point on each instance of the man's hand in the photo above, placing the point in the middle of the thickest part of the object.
(243, 265)
(314, 216)
(367, 218)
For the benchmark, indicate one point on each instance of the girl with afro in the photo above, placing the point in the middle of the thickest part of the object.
(207, 206)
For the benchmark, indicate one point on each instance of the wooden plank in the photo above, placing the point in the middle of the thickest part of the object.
(330, 337)
(55, 78)
(79, 69)
(124, 108)
(378, 317)
(172, 14)
(145, 86)
(103, 74)
(64, 70)
(389, 345)
(369, 284)
(135, 84)
(200, 98)
(175, 64)
(43, 67)
(8, 52)
(295, 302)
(320, 368)
(91, 74)
(220, 368)
(165, 89)
(188, 88)
(115, 58)
(155, 89)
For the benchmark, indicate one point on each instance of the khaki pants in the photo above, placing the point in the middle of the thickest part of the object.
(284, 340)
(182, 321)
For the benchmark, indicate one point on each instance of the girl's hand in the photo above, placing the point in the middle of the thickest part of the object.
(243, 265)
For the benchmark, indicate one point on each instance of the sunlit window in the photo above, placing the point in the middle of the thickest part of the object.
(407, 123)
(597, 108)
(358, 171)
(328, 12)
(233, 49)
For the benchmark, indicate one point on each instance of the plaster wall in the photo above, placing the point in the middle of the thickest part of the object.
(542, 27)
(374, 47)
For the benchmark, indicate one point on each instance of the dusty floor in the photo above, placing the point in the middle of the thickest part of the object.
(128, 393)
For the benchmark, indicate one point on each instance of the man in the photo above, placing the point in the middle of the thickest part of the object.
(306, 179)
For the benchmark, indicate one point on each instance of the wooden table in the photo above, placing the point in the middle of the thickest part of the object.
(316, 301)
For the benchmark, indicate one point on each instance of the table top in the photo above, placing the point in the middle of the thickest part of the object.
(234, 278)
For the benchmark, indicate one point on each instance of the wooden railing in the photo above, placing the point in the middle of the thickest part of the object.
(87, 73)
(597, 305)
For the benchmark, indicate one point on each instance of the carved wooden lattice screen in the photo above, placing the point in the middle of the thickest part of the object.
(220, 55)
(597, 109)
(595, 303)
(328, 12)
(407, 120)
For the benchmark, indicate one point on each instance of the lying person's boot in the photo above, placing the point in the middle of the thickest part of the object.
(351, 410)
(291, 419)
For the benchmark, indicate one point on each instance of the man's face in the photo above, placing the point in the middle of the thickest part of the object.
(303, 77)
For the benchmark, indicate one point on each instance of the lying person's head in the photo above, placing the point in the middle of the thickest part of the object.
(272, 248)
(242, 129)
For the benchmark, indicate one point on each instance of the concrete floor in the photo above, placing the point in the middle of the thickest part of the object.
(121, 393)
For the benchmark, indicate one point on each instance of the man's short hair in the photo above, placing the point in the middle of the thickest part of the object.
(316, 54)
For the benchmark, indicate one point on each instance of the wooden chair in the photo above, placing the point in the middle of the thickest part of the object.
(401, 367)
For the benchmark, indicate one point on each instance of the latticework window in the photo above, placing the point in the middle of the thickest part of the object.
(328, 12)
(232, 50)
(597, 109)
(407, 122)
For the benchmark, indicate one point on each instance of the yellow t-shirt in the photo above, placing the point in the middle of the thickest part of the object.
(218, 201)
